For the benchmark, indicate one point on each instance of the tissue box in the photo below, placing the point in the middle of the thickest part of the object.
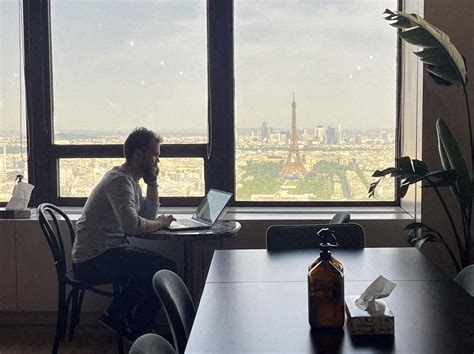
(15, 214)
(360, 322)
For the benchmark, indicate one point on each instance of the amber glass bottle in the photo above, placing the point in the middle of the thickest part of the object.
(326, 287)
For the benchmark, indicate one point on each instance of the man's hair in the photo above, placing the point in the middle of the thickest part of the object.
(139, 139)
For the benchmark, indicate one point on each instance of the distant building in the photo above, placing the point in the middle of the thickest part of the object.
(331, 136)
(357, 139)
(3, 164)
(265, 132)
(320, 134)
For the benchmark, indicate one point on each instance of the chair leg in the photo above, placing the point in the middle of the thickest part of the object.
(119, 343)
(74, 311)
(61, 317)
(118, 289)
(55, 345)
(79, 308)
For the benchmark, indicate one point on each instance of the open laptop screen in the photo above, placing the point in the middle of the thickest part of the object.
(212, 206)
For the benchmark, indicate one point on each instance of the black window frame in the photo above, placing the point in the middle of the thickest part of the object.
(218, 155)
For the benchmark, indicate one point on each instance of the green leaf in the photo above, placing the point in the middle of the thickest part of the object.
(417, 239)
(414, 226)
(420, 167)
(404, 190)
(384, 172)
(447, 64)
(451, 158)
(373, 187)
(405, 165)
(433, 56)
(419, 37)
(444, 72)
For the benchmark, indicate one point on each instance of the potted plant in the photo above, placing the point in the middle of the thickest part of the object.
(446, 66)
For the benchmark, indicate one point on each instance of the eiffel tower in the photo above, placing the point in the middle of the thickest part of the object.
(293, 167)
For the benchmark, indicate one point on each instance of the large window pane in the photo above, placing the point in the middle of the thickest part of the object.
(13, 151)
(178, 177)
(330, 65)
(122, 64)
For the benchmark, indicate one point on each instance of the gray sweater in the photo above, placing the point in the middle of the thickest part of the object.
(115, 209)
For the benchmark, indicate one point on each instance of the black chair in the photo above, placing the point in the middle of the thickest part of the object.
(151, 343)
(340, 218)
(293, 237)
(178, 306)
(465, 279)
(48, 218)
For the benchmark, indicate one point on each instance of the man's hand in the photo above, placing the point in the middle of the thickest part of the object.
(151, 176)
(165, 220)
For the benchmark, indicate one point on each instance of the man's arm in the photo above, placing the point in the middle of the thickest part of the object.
(152, 192)
(162, 222)
(152, 195)
(121, 197)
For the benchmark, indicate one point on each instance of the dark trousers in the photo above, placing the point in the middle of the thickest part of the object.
(140, 303)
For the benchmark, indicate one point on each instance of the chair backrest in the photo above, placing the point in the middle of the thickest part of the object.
(178, 306)
(465, 279)
(340, 218)
(293, 237)
(151, 343)
(48, 219)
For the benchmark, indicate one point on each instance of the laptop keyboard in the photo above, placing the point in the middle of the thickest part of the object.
(186, 222)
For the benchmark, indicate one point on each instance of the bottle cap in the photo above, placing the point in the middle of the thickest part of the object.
(324, 235)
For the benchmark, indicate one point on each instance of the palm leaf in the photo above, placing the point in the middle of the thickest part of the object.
(451, 158)
(445, 62)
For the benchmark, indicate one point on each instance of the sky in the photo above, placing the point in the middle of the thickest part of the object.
(120, 64)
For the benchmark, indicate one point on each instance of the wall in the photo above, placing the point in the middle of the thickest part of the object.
(455, 18)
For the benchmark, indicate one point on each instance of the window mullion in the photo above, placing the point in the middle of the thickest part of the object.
(219, 168)
(38, 96)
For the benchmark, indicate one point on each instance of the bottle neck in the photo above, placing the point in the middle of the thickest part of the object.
(325, 254)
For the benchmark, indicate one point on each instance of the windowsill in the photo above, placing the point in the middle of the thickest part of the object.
(278, 213)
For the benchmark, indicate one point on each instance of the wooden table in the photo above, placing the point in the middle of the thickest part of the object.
(220, 230)
(255, 301)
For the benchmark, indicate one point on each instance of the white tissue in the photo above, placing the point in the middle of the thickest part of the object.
(20, 196)
(380, 288)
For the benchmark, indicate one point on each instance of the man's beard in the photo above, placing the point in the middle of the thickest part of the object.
(146, 170)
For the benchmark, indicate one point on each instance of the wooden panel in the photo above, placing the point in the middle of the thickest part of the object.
(37, 280)
(7, 266)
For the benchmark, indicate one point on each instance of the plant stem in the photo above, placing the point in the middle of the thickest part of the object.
(451, 254)
(468, 236)
(465, 220)
(451, 221)
(469, 122)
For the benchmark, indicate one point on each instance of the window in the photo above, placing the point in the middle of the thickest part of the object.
(179, 177)
(119, 65)
(103, 68)
(315, 99)
(13, 151)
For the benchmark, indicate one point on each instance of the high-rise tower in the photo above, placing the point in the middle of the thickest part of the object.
(293, 167)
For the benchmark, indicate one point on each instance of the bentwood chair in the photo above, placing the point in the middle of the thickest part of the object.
(151, 343)
(178, 306)
(465, 279)
(293, 237)
(48, 219)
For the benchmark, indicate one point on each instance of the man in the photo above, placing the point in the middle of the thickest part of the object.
(115, 209)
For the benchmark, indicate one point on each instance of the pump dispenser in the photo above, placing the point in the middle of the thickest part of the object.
(326, 286)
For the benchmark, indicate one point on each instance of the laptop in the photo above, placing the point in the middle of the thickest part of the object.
(207, 213)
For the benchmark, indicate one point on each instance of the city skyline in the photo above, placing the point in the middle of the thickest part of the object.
(336, 171)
